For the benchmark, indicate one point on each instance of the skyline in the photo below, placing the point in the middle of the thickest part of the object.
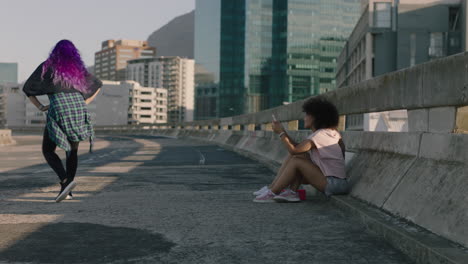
(21, 45)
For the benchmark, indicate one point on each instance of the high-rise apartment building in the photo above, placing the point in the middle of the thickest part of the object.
(148, 105)
(172, 73)
(270, 52)
(111, 61)
(127, 102)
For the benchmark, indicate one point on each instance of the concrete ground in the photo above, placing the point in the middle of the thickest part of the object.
(146, 199)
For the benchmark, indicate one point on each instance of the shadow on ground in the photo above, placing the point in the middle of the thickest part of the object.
(84, 243)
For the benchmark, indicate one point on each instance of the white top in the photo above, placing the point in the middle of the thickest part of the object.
(328, 155)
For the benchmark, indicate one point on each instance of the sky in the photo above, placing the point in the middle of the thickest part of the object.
(30, 28)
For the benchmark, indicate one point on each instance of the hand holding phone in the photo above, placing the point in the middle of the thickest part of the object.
(276, 126)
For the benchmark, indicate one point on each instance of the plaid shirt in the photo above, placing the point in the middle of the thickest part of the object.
(68, 120)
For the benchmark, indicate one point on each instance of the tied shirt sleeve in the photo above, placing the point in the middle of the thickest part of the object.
(94, 84)
(34, 86)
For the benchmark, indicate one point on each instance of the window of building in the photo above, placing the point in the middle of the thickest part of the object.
(326, 80)
(454, 18)
(454, 42)
(146, 108)
(382, 15)
(145, 116)
(412, 49)
(436, 46)
(126, 56)
(37, 122)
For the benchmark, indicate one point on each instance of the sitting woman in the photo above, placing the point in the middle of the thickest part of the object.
(318, 160)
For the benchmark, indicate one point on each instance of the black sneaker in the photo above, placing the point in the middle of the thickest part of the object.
(65, 190)
(69, 196)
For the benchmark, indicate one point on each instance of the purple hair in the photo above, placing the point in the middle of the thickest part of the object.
(67, 67)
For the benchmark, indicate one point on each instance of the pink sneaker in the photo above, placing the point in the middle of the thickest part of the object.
(265, 197)
(287, 196)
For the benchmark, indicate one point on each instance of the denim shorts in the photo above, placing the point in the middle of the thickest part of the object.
(336, 185)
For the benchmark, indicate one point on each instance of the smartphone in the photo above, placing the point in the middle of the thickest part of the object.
(274, 117)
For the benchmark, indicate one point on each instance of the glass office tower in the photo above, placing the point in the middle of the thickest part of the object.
(272, 52)
(316, 33)
(207, 57)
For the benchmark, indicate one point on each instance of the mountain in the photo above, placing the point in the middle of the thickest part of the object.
(175, 38)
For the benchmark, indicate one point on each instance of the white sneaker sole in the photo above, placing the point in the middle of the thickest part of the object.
(286, 200)
(65, 192)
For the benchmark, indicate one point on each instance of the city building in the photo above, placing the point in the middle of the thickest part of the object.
(127, 102)
(174, 74)
(14, 105)
(16, 110)
(118, 103)
(207, 41)
(2, 108)
(148, 105)
(111, 61)
(391, 35)
(270, 52)
(110, 107)
(8, 72)
(33, 116)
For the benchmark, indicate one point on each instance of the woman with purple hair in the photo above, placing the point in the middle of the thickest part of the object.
(69, 86)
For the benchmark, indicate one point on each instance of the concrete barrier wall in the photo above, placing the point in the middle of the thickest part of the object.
(6, 138)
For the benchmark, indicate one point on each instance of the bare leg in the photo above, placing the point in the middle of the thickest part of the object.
(281, 169)
(297, 182)
(285, 164)
(297, 168)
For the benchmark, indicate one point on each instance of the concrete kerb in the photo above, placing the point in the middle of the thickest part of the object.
(418, 244)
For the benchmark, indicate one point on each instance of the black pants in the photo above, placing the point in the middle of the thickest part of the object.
(48, 149)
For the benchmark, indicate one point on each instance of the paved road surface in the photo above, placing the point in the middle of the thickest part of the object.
(149, 199)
